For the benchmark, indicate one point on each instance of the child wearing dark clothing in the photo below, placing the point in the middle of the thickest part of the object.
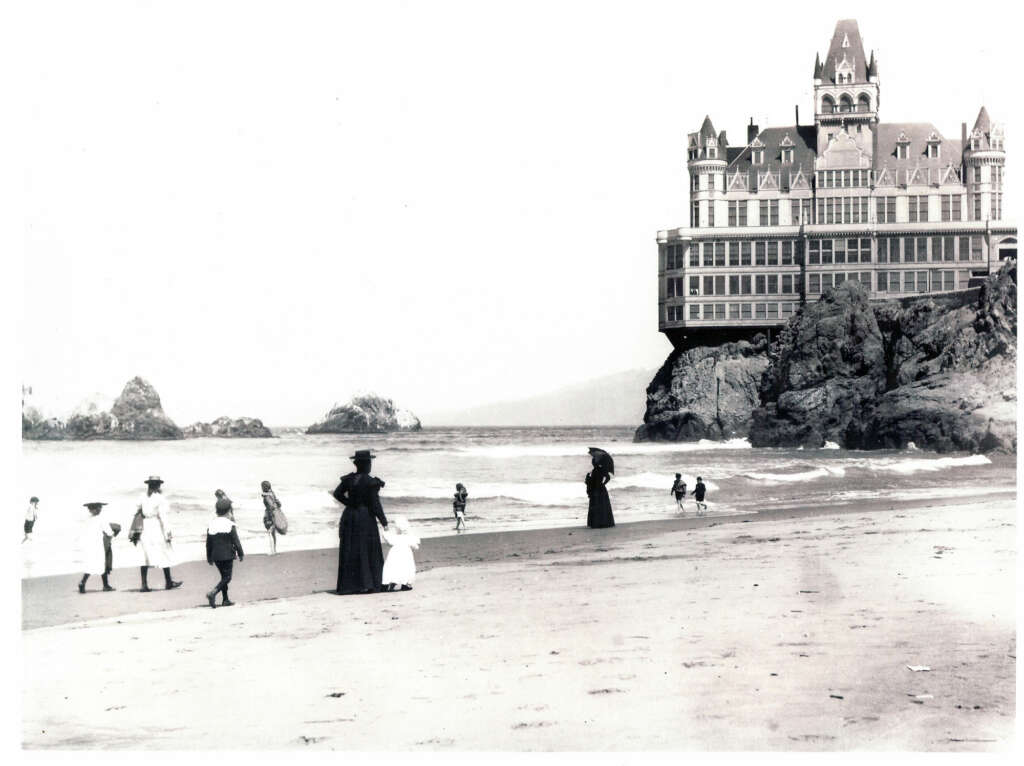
(698, 493)
(222, 544)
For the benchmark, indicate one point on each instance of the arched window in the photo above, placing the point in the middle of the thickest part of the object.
(845, 103)
(828, 106)
(863, 103)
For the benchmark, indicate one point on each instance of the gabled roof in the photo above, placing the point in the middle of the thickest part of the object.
(846, 44)
(805, 141)
(917, 134)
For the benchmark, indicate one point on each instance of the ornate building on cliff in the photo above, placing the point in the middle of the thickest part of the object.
(798, 209)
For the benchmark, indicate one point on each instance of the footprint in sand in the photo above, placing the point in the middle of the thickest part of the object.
(607, 691)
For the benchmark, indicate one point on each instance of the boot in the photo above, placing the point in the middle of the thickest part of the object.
(145, 580)
(225, 601)
(81, 585)
(170, 584)
(106, 584)
(210, 597)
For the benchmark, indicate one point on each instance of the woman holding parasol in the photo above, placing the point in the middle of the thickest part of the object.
(600, 512)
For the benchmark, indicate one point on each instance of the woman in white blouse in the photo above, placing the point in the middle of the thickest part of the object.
(156, 533)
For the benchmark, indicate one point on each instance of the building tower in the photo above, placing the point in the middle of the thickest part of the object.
(706, 163)
(984, 160)
(846, 89)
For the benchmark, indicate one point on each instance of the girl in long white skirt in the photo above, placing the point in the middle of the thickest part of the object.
(97, 558)
(156, 534)
(400, 566)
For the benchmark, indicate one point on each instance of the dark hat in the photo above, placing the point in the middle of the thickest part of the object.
(91, 506)
(154, 480)
(219, 493)
(223, 505)
(363, 454)
(264, 485)
(33, 499)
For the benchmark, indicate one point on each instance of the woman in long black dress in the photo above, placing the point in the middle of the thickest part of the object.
(360, 556)
(600, 513)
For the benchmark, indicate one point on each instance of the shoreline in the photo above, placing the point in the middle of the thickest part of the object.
(800, 631)
(52, 600)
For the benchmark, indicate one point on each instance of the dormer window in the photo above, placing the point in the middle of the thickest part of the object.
(902, 147)
(693, 154)
(933, 151)
(712, 152)
(787, 155)
(757, 156)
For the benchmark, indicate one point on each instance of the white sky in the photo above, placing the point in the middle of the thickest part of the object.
(263, 207)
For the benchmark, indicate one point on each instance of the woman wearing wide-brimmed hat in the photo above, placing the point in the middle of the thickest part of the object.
(156, 533)
(360, 556)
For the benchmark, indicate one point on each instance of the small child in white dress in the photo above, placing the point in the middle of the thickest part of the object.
(400, 566)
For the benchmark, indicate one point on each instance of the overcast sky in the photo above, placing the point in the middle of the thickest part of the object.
(264, 207)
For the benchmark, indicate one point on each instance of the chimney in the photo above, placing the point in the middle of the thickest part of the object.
(963, 136)
(752, 131)
(797, 108)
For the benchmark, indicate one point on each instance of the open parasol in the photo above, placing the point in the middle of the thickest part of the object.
(604, 460)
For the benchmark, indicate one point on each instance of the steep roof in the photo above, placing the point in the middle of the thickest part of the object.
(983, 123)
(917, 133)
(805, 141)
(846, 44)
(707, 130)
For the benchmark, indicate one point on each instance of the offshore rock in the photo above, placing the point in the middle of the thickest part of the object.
(367, 414)
(136, 415)
(938, 371)
(229, 428)
(707, 392)
(139, 415)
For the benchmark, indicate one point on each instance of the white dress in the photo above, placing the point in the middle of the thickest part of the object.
(400, 566)
(93, 556)
(155, 528)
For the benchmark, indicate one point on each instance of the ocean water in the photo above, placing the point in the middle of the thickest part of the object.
(517, 478)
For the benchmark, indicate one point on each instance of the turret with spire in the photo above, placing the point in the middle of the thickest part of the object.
(706, 162)
(984, 160)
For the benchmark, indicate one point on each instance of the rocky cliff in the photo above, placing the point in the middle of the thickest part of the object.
(705, 393)
(365, 414)
(136, 414)
(938, 371)
(230, 428)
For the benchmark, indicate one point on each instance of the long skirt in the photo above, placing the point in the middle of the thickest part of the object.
(600, 513)
(155, 548)
(360, 556)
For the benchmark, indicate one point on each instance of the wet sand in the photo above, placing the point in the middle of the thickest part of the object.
(784, 631)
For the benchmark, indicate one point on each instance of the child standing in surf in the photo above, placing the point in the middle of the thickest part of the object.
(698, 494)
(459, 507)
(679, 490)
(270, 505)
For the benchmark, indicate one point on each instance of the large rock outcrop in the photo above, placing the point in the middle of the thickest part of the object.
(938, 371)
(365, 414)
(135, 415)
(229, 428)
(707, 392)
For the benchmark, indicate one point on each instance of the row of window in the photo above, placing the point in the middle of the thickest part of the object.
(921, 281)
(842, 179)
(933, 280)
(918, 249)
(718, 254)
(737, 284)
(852, 210)
(786, 252)
(852, 250)
(722, 311)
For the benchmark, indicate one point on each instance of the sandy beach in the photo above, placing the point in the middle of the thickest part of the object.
(785, 631)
